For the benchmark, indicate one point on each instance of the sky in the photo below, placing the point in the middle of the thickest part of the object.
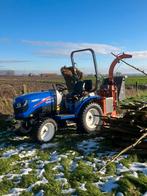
(39, 35)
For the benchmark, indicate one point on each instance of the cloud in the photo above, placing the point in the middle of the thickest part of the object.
(13, 61)
(139, 54)
(64, 48)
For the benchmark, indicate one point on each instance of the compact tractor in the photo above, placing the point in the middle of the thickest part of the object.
(42, 113)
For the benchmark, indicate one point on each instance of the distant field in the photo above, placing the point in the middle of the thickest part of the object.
(141, 80)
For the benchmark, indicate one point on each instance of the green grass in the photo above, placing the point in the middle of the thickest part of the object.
(83, 173)
(27, 180)
(111, 169)
(131, 80)
(53, 188)
(44, 155)
(24, 193)
(91, 190)
(5, 186)
(129, 185)
(5, 165)
(130, 159)
(127, 188)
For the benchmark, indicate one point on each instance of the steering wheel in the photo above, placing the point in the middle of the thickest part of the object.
(59, 87)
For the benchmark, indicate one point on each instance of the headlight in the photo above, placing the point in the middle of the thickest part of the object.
(21, 104)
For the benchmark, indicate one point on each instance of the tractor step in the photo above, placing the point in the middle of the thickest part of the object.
(65, 117)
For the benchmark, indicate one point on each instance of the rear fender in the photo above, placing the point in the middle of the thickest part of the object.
(85, 102)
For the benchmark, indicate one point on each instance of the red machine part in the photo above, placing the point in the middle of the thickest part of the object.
(112, 89)
(112, 86)
(116, 60)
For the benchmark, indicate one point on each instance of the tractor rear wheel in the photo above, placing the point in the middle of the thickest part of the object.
(90, 118)
(46, 130)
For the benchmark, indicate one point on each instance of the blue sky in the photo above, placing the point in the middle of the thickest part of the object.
(40, 34)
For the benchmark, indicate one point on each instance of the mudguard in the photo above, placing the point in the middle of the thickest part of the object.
(85, 102)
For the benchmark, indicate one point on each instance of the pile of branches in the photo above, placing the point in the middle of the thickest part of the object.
(130, 126)
(128, 131)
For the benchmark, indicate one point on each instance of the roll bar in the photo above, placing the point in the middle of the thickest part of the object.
(94, 62)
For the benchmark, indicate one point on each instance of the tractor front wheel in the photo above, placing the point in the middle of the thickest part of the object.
(23, 128)
(46, 130)
(90, 118)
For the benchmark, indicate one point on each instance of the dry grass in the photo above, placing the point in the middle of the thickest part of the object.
(10, 87)
(6, 105)
(133, 93)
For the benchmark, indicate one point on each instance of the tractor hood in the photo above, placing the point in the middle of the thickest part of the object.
(34, 96)
(26, 104)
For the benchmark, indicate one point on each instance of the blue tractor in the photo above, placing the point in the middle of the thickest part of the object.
(42, 113)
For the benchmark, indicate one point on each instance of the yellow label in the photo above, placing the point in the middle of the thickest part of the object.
(58, 107)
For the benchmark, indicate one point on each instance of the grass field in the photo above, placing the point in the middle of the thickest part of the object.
(141, 80)
(68, 166)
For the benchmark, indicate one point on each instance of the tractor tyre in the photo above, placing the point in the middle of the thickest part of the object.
(90, 120)
(46, 130)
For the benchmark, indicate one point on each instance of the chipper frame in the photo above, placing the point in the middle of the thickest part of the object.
(110, 87)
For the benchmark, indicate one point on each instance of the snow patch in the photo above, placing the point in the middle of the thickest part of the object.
(54, 157)
(139, 167)
(28, 153)
(63, 156)
(9, 153)
(40, 172)
(135, 174)
(58, 167)
(120, 168)
(40, 193)
(82, 187)
(59, 175)
(145, 194)
(88, 146)
(25, 171)
(16, 191)
(73, 165)
(68, 191)
(62, 180)
(91, 164)
(109, 184)
(79, 157)
(119, 194)
(43, 181)
(49, 145)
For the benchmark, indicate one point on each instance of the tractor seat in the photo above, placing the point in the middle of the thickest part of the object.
(82, 86)
(80, 89)
(88, 85)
